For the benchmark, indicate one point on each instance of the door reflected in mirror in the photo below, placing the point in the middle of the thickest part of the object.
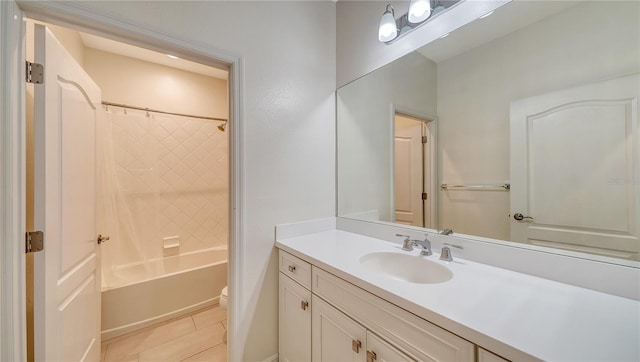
(540, 96)
(413, 174)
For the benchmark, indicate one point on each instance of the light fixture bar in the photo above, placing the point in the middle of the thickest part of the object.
(420, 12)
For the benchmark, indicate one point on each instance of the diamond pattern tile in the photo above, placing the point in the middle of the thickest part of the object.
(173, 171)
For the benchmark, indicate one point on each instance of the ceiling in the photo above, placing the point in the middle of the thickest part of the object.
(506, 19)
(111, 46)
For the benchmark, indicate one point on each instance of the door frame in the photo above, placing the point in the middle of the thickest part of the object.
(429, 181)
(13, 140)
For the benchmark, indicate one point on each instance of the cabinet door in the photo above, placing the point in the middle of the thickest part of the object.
(381, 351)
(295, 321)
(335, 336)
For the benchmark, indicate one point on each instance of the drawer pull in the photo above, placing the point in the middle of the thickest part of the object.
(371, 356)
(304, 304)
(292, 268)
(356, 345)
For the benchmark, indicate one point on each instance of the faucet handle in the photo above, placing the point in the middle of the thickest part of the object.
(445, 254)
(407, 245)
(454, 246)
(446, 232)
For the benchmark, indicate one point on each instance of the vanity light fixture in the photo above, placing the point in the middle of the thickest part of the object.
(420, 12)
(388, 29)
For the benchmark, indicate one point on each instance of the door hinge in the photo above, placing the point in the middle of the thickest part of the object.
(35, 73)
(424, 139)
(425, 196)
(34, 241)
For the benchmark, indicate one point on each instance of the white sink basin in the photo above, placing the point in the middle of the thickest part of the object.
(406, 267)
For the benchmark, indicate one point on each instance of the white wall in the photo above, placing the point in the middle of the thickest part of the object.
(476, 88)
(144, 84)
(365, 141)
(288, 114)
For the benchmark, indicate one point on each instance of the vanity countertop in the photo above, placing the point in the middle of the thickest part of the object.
(518, 316)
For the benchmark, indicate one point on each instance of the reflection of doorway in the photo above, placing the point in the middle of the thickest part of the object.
(412, 171)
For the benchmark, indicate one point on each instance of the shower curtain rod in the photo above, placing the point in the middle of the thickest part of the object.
(163, 112)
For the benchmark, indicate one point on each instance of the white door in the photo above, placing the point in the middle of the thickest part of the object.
(336, 337)
(66, 272)
(408, 171)
(295, 321)
(574, 168)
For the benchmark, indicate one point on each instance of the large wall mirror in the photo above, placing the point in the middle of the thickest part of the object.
(521, 126)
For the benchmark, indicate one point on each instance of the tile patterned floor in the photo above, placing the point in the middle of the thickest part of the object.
(196, 337)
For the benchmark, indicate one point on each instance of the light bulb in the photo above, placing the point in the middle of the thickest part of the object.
(388, 29)
(419, 11)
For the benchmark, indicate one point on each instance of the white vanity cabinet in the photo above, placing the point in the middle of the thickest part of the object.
(294, 309)
(342, 322)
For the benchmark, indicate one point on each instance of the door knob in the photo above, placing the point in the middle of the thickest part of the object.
(102, 239)
(518, 216)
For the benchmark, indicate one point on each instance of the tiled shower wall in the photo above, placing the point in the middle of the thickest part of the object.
(173, 175)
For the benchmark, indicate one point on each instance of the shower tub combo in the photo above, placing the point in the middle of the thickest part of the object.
(141, 294)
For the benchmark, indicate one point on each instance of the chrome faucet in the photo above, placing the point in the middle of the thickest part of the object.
(407, 245)
(426, 245)
(446, 232)
(445, 254)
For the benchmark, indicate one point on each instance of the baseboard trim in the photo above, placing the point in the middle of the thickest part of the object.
(115, 332)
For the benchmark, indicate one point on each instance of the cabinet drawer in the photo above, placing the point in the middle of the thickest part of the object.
(379, 350)
(296, 269)
(418, 338)
(486, 356)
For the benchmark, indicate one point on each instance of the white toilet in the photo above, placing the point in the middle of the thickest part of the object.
(224, 298)
(224, 302)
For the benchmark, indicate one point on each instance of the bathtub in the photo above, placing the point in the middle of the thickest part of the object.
(137, 295)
